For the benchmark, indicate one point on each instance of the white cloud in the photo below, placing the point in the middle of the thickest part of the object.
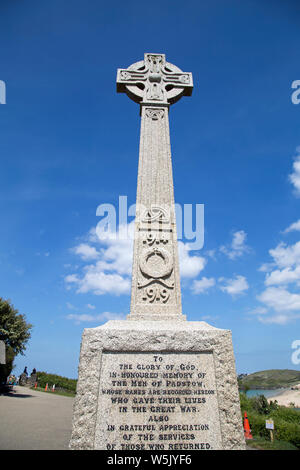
(284, 276)
(295, 227)
(102, 317)
(211, 254)
(190, 266)
(286, 255)
(280, 299)
(91, 307)
(266, 267)
(202, 285)
(294, 177)
(280, 319)
(86, 252)
(238, 241)
(117, 248)
(111, 274)
(284, 270)
(258, 311)
(286, 305)
(47, 253)
(72, 278)
(234, 286)
(238, 245)
(96, 281)
(70, 306)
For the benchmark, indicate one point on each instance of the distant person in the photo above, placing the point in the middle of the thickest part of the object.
(25, 371)
(33, 371)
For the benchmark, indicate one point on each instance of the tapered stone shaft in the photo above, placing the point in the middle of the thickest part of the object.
(155, 290)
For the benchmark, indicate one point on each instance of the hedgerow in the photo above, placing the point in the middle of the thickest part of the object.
(63, 383)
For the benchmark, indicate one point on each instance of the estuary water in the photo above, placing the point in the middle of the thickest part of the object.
(266, 393)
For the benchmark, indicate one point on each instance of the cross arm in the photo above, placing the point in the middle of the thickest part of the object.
(179, 80)
(127, 77)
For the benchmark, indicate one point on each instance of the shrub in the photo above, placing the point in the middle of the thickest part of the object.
(260, 405)
(287, 414)
(289, 432)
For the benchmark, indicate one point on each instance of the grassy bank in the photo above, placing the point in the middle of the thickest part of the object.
(263, 444)
(270, 379)
(63, 385)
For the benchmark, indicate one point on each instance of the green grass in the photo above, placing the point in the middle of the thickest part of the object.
(263, 444)
(64, 393)
(63, 383)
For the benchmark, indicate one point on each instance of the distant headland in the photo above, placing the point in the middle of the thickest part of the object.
(269, 379)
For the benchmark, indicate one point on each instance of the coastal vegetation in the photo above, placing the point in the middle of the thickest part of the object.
(286, 423)
(63, 385)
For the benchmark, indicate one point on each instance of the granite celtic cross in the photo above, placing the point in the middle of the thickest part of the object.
(154, 81)
(155, 290)
(165, 384)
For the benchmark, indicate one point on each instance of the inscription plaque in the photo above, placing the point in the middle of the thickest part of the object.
(157, 401)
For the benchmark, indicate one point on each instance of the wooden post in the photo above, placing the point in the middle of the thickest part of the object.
(270, 426)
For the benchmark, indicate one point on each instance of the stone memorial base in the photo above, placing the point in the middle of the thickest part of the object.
(157, 385)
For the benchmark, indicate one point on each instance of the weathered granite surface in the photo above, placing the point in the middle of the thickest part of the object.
(103, 349)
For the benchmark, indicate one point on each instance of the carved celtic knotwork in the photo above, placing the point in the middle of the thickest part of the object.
(154, 62)
(155, 114)
(156, 213)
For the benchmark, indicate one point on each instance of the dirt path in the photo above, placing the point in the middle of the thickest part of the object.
(32, 420)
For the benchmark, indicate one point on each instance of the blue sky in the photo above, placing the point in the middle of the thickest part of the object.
(69, 142)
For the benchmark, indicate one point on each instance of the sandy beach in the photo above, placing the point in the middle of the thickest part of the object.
(288, 396)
